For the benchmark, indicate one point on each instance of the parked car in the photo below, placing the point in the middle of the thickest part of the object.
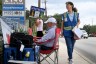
(92, 35)
(85, 34)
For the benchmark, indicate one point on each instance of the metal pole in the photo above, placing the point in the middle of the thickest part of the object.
(45, 8)
(39, 3)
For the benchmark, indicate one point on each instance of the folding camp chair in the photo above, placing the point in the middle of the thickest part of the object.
(54, 50)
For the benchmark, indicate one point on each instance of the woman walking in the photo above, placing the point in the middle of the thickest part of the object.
(70, 19)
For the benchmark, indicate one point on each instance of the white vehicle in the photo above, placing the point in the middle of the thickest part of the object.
(85, 34)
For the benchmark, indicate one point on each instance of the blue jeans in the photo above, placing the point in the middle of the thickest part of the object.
(70, 41)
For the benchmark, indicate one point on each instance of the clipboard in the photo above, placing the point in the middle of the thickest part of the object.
(77, 33)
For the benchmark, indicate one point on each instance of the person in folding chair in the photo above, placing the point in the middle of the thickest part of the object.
(47, 40)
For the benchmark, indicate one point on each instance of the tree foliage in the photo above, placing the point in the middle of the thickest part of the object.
(59, 19)
(90, 29)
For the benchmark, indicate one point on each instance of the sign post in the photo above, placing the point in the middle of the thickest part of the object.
(14, 9)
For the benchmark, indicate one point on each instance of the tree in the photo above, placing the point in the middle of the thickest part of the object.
(58, 18)
(27, 14)
(87, 28)
(90, 29)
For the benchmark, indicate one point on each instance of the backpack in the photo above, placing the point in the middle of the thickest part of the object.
(18, 38)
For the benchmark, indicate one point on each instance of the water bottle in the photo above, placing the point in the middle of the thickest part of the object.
(37, 51)
(27, 54)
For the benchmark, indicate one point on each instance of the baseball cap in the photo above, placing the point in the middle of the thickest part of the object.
(51, 19)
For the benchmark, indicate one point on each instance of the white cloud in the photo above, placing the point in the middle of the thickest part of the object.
(30, 3)
(87, 12)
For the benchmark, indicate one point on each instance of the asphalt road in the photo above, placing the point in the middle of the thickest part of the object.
(86, 47)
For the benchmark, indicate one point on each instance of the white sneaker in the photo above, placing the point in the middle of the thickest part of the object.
(71, 61)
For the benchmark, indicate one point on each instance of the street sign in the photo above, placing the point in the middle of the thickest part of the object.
(14, 9)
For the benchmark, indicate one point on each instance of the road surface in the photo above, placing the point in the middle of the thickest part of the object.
(86, 47)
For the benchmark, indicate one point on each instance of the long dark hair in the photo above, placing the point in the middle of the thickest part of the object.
(73, 8)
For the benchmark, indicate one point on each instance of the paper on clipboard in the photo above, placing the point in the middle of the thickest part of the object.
(77, 32)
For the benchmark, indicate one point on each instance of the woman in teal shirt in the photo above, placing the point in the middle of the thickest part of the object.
(70, 19)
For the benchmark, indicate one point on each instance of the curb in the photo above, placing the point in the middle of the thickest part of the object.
(83, 57)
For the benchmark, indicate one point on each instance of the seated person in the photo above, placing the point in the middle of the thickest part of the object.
(50, 35)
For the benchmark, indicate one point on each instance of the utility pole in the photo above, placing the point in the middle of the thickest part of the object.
(39, 3)
(45, 8)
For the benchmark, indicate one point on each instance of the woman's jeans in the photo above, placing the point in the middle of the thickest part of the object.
(70, 41)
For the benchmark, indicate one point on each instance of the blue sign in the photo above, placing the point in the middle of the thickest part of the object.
(21, 19)
(36, 11)
(13, 7)
(14, 11)
(37, 8)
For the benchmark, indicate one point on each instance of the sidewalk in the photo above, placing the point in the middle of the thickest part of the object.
(77, 59)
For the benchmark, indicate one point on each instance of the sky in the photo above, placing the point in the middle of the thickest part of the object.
(86, 9)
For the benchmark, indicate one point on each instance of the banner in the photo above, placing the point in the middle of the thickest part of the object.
(36, 12)
(6, 31)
